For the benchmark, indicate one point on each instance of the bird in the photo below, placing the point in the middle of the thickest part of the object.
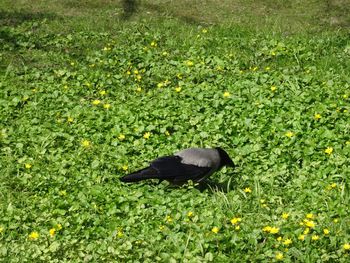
(195, 164)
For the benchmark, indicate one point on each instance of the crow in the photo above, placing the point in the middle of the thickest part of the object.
(195, 164)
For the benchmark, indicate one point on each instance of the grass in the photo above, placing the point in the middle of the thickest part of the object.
(78, 95)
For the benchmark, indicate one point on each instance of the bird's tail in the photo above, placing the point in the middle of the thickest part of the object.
(147, 173)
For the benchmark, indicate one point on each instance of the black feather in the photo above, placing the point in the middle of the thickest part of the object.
(168, 168)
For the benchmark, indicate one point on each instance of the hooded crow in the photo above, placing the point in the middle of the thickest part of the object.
(194, 164)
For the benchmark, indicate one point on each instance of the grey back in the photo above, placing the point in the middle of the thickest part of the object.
(201, 157)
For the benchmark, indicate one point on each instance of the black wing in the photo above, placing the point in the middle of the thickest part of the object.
(170, 168)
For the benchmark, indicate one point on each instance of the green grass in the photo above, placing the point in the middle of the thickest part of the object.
(285, 76)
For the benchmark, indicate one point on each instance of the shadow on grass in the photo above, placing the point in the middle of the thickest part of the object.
(129, 8)
(207, 185)
(9, 20)
(15, 18)
(338, 12)
(189, 19)
(214, 186)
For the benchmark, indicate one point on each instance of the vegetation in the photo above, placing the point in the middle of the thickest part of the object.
(86, 100)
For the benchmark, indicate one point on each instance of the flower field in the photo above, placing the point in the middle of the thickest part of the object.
(80, 109)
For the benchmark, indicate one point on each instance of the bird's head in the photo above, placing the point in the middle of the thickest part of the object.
(225, 159)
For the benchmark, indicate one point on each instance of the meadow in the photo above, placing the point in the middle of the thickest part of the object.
(93, 90)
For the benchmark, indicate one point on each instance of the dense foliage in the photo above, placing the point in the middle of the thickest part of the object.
(75, 118)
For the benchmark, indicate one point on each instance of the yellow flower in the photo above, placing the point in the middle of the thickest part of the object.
(274, 230)
(237, 227)
(204, 30)
(125, 167)
(138, 89)
(160, 85)
(62, 193)
(147, 135)
(289, 134)
(287, 242)
(128, 72)
(279, 238)
(138, 77)
(153, 44)
(279, 256)
(86, 143)
(255, 68)
(328, 150)
(310, 216)
(103, 92)
(34, 235)
(273, 53)
(227, 94)
(190, 214)
(236, 220)
(301, 237)
(189, 63)
(267, 68)
(168, 219)
(167, 133)
(70, 119)
(333, 185)
(326, 231)
(335, 220)
(317, 116)
(165, 53)
(106, 106)
(27, 165)
(161, 227)
(178, 89)
(309, 223)
(267, 229)
(136, 72)
(315, 237)
(273, 88)
(59, 226)
(215, 230)
(121, 137)
(120, 233)
(285, 215)
(52, 232)
(346, 246)
(247, 190)
(96, 102)
(306, 231)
